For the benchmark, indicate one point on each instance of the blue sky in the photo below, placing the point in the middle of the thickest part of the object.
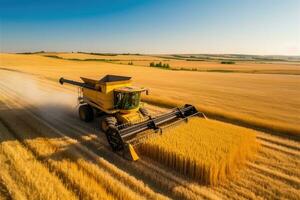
(203, 26)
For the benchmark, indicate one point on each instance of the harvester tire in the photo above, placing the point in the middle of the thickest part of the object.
(108, 122)
(86, 113)
(144, 112)
(114, 141)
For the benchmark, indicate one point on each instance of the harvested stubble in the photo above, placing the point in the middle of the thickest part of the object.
(206, 150)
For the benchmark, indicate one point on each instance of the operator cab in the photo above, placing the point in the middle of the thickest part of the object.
(127, 98)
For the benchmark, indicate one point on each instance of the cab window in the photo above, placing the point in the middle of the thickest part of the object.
(126, 100)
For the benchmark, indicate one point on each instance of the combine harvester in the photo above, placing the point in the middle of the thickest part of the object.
(124, 120)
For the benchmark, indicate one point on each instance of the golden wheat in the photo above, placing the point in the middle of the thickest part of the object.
(261, 97)
(70, 171)
(206, 150)
(24, 176)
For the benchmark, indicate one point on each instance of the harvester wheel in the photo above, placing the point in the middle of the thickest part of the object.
(144, 112)
(107, 122)
(114, 140)
(86, 113)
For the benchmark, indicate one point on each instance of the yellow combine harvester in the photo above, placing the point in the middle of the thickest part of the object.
(123, 117)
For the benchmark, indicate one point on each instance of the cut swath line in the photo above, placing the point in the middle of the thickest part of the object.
(263, 184)
(293, 181)
(282, 149)
(289, 146)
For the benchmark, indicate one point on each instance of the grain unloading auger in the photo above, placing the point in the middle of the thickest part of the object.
(124, 120)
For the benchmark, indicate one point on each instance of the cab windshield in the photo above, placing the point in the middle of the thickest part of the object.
(127, 100)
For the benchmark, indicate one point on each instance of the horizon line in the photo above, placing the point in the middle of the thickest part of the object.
(136, 53)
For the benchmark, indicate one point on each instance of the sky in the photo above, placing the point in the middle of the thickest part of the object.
(264, 27)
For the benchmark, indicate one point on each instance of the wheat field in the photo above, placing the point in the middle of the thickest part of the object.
(206, 150)
(44, 145)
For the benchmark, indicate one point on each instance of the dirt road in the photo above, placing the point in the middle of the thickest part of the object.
(46, 152)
